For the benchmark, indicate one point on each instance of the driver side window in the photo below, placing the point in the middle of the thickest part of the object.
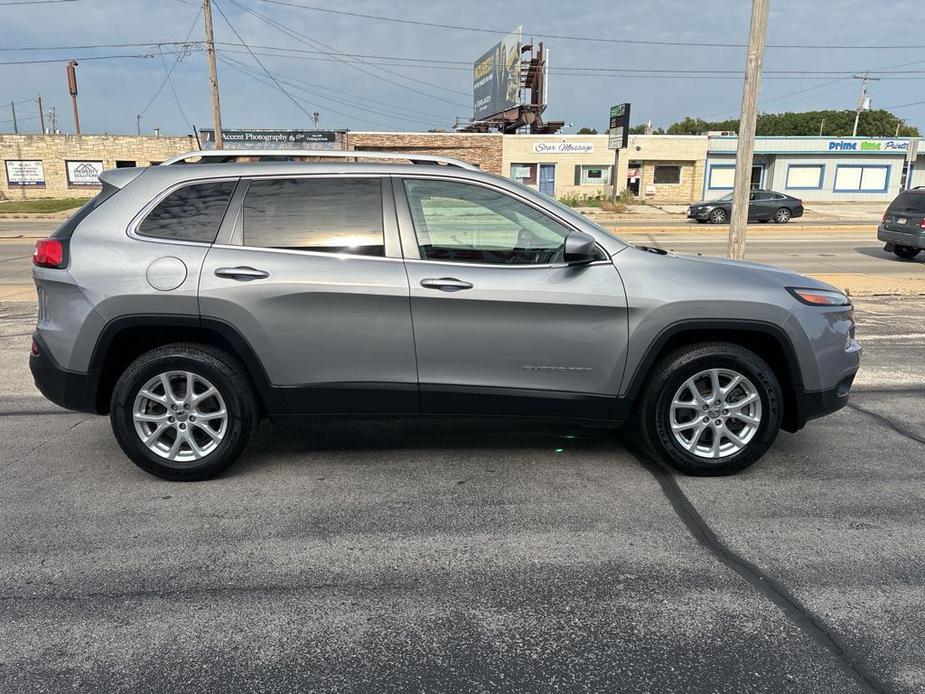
(469, 223)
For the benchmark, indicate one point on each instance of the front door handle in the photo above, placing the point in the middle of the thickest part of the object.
(446, 284)
(242, 273)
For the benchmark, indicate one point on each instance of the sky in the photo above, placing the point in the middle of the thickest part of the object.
(385, 92)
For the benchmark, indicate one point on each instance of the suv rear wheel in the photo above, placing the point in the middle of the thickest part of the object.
(906, 251)
(711, 409)
(183, 411)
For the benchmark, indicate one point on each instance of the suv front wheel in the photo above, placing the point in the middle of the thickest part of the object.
(183, 411)
(711, 408)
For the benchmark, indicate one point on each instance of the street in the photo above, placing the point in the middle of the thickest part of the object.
(469, 555)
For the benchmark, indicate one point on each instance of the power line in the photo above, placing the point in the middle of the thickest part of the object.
(81, 58)
(257, 60)
(173, 91)
(303, 38)
(594, 39)
(175, 63)
(33, 2)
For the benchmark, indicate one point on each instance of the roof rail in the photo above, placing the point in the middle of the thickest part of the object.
(216, 156)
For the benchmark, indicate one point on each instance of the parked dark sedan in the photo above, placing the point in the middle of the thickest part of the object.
(763, 206)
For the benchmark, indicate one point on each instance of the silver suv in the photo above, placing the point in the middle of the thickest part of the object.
(189, 300)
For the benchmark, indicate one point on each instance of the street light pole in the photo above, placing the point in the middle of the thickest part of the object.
(745, 147)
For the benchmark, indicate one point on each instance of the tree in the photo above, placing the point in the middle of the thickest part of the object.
(834, 123)
(587, 131)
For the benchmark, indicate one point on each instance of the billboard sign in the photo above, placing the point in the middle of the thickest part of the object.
(25, 172)
(496, 77)
(84, 173)
(619, 130)
(259, 138)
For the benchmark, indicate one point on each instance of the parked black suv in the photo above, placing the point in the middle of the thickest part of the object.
(903, 224)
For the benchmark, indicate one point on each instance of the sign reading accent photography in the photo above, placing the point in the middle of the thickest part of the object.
(25, 172)
(259, 138)
(563, 147)
(84, 173)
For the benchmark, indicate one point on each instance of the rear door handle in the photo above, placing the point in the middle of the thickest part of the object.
(242, 273)
(446, 284)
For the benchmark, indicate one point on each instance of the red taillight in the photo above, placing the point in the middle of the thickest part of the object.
(49, 253)
(922, 224)
(883, 219)
(35, 348)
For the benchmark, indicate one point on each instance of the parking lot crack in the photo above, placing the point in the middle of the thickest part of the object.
(887, 422)
(800, 615)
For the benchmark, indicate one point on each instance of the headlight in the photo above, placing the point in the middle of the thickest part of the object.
(819, 297)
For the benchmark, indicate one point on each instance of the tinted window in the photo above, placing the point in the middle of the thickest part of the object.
(667, 175)
(191, 213)
(461, 222)
(333, 215)
(910, 201)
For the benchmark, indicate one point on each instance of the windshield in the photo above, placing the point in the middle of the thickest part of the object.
(726, 198)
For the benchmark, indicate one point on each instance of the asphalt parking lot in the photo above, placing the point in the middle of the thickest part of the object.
(469, 555)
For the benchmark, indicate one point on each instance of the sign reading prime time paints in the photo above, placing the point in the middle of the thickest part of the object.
(868, 146)
(563, 147)
(84, 173)
(25, 172)
(619, 130)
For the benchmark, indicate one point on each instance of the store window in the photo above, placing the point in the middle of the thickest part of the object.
(804, 176)
(861, 179)
(667, 175)
(592, 174)
(524, 173)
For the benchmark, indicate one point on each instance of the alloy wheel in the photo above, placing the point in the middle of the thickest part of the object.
(180, 416)
(715, 413)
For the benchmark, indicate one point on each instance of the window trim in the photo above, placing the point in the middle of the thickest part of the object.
(886, 180)
(679, 167)
(409, 239)
(821, 168)
(132, 228)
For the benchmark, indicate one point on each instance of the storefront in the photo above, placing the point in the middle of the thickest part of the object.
(818, 168)
(665, 168)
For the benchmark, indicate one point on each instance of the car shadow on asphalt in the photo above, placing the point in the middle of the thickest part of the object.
(878, 252)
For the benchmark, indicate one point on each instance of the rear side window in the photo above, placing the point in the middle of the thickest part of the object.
(191, 213)
(328, 215)
(909, 202)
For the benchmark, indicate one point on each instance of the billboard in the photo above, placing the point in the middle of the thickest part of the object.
(619, 130)
(496, 77)
(25, 172)
(83, 173)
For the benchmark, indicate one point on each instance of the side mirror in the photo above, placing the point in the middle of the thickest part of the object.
(579, 248)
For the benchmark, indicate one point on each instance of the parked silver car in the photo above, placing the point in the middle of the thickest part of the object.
(190, 300)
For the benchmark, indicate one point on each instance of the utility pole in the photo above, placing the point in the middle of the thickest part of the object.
(213, 75)
(821, 125)
(41, 114)
(72, 88)
(13, 109)
(53, 119)
(745, 147)
(863, 101)
(138, 124)
(315, 118)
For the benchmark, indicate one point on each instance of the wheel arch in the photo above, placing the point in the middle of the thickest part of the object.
(124, 339)
(768, 340)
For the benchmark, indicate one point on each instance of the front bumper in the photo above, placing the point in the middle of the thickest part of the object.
(68, 389)
(914, 237)
(699, 213)
(815, 404)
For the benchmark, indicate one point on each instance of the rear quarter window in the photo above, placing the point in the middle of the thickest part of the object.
(190, 213)
(909, 201)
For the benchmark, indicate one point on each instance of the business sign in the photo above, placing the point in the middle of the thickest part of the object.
(868, 146)
(563, 147)
(619, 130)
(84, 173)
(496, 78)
(259, 138)
(25, 172)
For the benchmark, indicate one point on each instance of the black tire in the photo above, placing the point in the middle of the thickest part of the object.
(220, 369)
(763, 221)
(906, 251)
(671, 372)
(718, 216)
(782, 215)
